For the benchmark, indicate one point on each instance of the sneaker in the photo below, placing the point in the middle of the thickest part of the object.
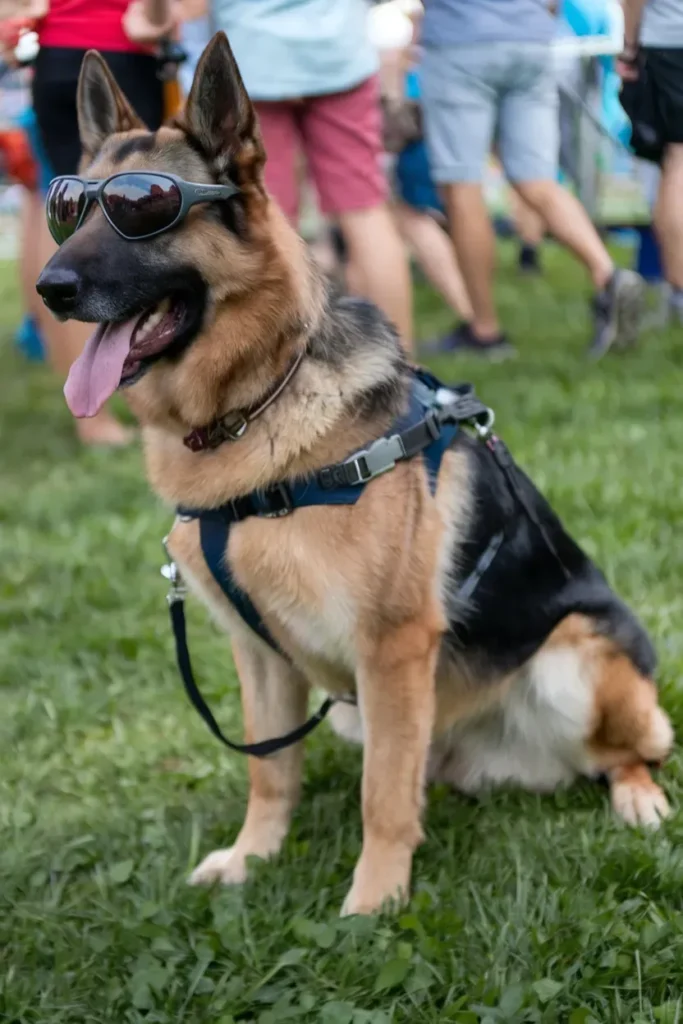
(528, 260)
(463, 340)
(617, 313)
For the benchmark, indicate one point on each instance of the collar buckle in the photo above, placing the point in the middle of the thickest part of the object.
(230, 428)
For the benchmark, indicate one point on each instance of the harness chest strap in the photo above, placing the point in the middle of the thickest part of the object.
(429, 427)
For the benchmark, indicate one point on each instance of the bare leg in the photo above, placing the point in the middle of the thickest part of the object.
(378, 265)
(570, 224)
(632, 729)
(528, 224)
(434, 252)
(669, 215)
(475, 247)
(65, 343)
(274, 700)
(396, 690)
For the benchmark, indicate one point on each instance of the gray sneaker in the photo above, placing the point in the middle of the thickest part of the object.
(618, 313)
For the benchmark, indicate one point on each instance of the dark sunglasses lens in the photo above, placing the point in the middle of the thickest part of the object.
(141, 204)
(63, 207)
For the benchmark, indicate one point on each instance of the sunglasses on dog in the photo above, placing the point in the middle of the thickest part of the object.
(137, 204)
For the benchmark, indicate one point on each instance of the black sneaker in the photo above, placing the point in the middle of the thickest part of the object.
(443, 344)
(617, 313)
(464, 341)
(528, 260)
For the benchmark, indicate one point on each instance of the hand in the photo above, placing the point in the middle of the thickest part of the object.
(627, 72)
(140, 29)
(11, 29)
(627, 64)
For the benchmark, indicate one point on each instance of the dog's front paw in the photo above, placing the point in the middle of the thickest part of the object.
(379, 885)
(640, 803)
(226, 866)
(372, 903)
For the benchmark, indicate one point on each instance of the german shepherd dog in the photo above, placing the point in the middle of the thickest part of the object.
(536, 679)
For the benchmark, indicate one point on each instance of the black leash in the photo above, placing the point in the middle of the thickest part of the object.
(509, 469)
(176, 604)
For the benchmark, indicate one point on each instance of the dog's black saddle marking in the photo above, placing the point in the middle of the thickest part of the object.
(539, 576)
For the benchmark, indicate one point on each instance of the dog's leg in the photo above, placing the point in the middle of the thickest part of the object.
(274, 701)
(636, 797)
(396, 690)
(632, 730)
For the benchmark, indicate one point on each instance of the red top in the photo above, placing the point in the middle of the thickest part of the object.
(85, 25)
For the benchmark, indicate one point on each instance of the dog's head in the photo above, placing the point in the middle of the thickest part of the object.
(157, 301)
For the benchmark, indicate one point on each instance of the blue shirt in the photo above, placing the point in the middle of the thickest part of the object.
(463, 22)
(287, 49)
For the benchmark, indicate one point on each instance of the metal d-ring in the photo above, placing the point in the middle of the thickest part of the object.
(484, 429)
(177, 590)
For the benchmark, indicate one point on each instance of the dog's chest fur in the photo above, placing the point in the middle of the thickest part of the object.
(301, 590)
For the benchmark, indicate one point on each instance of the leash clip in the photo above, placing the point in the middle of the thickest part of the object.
(485, 427)
(177, 590)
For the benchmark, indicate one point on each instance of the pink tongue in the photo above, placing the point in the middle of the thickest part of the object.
(96, 374)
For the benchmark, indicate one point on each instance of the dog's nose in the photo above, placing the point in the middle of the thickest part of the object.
(59, 288)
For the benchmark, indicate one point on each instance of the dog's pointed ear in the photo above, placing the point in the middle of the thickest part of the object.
(220, 117)
(102, 107)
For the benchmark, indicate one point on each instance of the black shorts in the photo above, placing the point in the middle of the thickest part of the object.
(55, 82)
(665, 72)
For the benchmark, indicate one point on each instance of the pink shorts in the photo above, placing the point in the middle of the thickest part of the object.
(340, 136)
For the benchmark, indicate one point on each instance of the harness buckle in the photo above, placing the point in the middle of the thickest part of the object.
(281, 493)
(379, 458)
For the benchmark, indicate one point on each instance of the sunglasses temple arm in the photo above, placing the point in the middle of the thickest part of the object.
(209, 193)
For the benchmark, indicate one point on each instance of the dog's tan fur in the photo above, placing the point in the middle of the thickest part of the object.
(355, 596)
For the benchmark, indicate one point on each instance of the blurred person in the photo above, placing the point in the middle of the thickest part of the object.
(417, 205)
(490, 64)
(22, 164)
(66, 30)
(195, 33)
(421, 219)
(653, 45)
(311, 71)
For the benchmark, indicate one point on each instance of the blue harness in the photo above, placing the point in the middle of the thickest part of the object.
(427, 428)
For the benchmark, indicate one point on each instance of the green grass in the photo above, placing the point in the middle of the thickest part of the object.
(525, 908)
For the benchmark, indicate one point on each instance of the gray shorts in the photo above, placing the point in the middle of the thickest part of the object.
(473, 95)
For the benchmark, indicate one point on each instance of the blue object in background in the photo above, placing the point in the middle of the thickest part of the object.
(414, 179)
(649, 262)
(413, 175)
(27, 337)
(29, 342)
(27, 122)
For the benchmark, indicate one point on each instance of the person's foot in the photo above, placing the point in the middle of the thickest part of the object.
(104, 431)
(528, 260)
(463, 340)
(617, 313)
